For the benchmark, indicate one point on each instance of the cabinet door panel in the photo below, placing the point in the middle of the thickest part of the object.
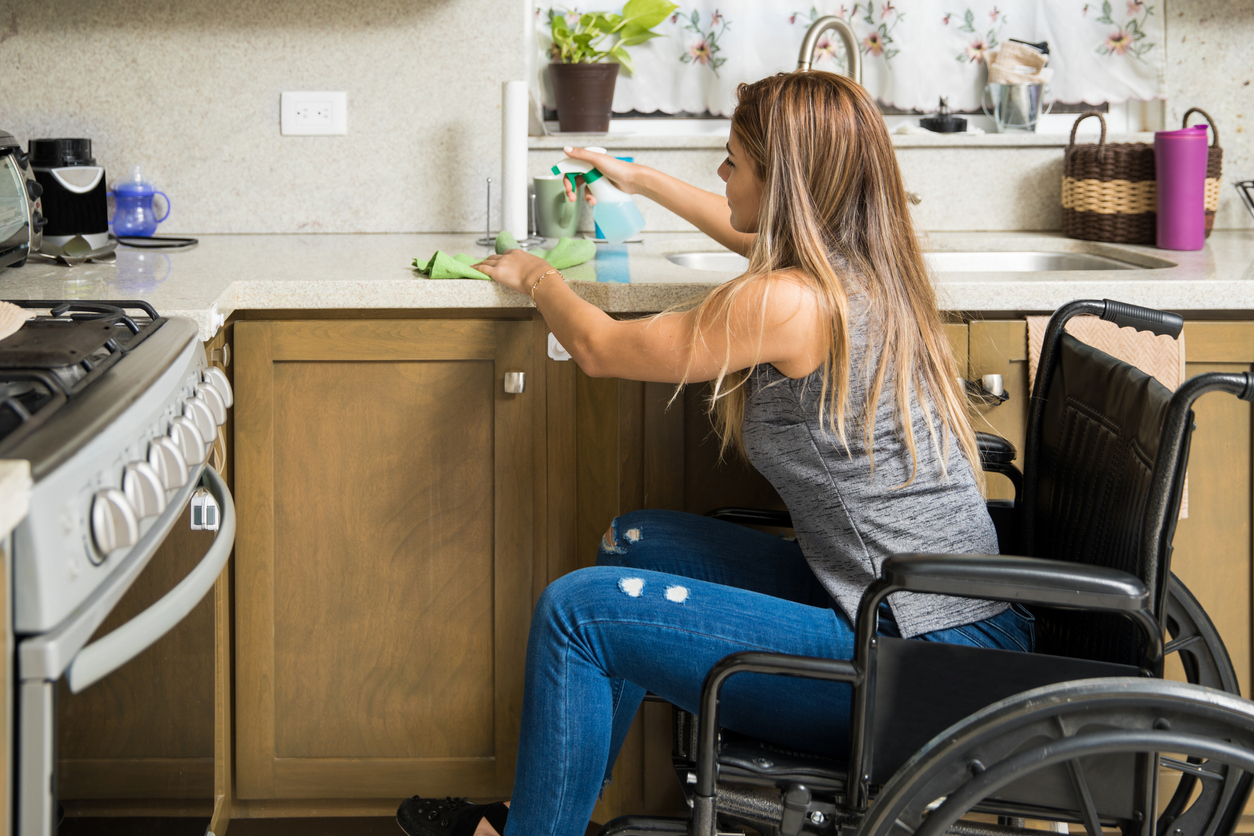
(383, 545)
(383, 576)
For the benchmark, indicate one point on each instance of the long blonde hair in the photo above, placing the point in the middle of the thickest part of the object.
(834, 210)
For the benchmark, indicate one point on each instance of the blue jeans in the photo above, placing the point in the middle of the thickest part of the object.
(673, 593)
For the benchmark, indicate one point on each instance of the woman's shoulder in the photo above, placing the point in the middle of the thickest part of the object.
(781, 287)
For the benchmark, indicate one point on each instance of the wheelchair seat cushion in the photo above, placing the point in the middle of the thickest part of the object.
(749, 760)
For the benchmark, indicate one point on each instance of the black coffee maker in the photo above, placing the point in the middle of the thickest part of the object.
(74, 198)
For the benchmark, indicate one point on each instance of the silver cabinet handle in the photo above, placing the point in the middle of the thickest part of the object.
(515, 382)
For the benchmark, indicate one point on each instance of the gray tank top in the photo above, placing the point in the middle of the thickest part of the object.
(848, 520)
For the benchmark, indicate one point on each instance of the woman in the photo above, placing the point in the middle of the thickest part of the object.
(832, 374)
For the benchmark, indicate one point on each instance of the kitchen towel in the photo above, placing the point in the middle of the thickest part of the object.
(1159, 356)
(567, 253)
(514, 179)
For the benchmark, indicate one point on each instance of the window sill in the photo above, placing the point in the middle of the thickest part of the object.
(654, 138)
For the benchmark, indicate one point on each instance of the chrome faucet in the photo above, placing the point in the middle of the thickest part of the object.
(853, 57)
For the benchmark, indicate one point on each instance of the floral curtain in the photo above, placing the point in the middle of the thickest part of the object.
(913, 51)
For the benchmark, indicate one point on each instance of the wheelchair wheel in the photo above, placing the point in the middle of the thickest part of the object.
(1078, 752)
(1195, 641)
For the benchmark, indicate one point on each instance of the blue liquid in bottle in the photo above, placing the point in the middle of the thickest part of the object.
(618, 221)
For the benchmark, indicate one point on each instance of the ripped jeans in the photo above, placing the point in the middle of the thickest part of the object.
(671, 595)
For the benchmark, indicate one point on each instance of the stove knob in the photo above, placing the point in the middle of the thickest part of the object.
(197, 409)
(216, 378)
(166, 458)
(189, 440)
(217, 406)
(113, 522)
(143, 489)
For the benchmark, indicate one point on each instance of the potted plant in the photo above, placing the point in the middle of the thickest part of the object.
(583, 79)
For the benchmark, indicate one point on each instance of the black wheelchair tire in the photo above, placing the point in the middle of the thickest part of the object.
(963, 768)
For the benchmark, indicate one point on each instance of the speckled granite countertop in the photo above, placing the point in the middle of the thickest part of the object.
(228, 273)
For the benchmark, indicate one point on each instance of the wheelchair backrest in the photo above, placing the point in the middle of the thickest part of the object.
(1097, 443)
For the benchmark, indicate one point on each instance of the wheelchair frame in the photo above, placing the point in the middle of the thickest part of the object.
(1035, 581)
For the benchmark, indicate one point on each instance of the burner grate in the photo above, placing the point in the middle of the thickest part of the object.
(55, 356)
(49, 343)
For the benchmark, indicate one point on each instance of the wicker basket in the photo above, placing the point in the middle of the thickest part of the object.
(1108, 191)
(1214, 167)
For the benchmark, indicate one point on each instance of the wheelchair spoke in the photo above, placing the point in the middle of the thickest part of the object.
(1088, 809)
(1179, 644)
(1191, 769)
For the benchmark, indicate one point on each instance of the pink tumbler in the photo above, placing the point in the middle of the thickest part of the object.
(1180, 168)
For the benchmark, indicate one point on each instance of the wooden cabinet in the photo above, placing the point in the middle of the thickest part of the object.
(388, 497)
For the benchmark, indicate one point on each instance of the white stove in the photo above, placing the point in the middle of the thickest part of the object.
(117, 411)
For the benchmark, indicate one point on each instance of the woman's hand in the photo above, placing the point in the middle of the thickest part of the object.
(518, 270)
(619, 172)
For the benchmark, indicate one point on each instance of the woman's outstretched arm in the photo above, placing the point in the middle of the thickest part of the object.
(707, 211)
(779, 326)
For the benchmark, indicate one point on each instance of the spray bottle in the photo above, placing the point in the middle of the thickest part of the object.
(615, 212)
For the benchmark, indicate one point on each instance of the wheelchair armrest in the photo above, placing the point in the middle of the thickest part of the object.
(1030, 580)
(994, 450)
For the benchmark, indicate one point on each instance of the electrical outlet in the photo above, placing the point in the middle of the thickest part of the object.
(313, 114)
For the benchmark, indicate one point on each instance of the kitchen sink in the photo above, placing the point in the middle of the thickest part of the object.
(944, 262)
(725, 262)
(1021, 262)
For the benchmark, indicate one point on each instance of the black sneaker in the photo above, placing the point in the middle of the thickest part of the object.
(419, 816)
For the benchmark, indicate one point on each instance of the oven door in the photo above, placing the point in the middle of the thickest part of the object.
(67, 652)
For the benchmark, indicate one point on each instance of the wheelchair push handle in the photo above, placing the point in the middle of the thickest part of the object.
(1142, 319)
(1240, 384)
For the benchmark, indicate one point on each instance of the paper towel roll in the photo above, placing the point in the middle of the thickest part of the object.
(514, 99)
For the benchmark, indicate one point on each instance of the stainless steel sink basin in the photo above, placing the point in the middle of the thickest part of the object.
(725, 262)
(1021, 262)
(943, 262)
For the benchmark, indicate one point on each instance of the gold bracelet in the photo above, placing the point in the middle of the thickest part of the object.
(542, 275)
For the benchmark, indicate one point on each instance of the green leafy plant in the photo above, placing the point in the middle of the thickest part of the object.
(597, 36)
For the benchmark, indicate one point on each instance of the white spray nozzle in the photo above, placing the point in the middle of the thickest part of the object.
(569, 166)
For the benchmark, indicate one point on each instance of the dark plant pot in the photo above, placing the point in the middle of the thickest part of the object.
(584, 95)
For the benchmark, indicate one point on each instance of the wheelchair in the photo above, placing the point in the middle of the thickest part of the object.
(1082, 732)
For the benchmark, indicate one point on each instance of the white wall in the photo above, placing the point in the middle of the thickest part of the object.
(190, 90)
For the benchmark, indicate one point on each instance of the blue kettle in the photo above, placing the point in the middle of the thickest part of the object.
(134, 214)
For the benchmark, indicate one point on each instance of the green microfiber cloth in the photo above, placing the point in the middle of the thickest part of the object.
(567, 253)
(445, 266)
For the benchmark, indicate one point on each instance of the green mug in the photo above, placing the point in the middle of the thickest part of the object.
(556, 217)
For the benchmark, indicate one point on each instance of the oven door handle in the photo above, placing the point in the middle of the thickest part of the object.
(107, 654)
